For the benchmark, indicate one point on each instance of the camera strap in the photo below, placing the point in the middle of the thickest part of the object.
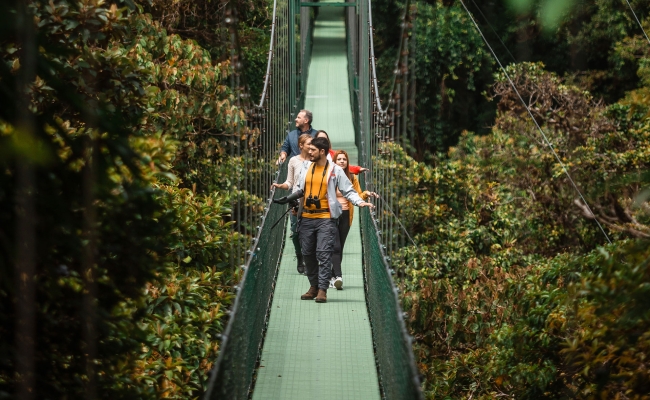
(311, 183)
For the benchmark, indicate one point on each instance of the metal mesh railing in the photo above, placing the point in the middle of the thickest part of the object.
(377, 127)
(232, 376)
(256, 146)
(398, 375)
(266, 123)
(391, 124)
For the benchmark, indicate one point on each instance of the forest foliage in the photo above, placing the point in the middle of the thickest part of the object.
(596, 43)
(135, 94)
(514, 291)
(518, 295)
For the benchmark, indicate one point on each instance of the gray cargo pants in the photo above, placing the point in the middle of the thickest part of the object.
(317, 238)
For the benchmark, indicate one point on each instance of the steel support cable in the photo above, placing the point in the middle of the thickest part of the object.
(494, 30)
(244, 348)
(539, 128)
(375, 86)
(399, 50)
(637, 21)
(387, 124)
(270, 57)
(399, 222)
(258, 110)
(501, 41)
(372, 54)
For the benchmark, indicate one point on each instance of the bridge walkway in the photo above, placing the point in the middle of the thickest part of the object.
(322, 351)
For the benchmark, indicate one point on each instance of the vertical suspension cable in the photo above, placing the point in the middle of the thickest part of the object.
(393, 121)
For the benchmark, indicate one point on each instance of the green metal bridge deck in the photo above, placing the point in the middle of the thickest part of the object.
(313, 350)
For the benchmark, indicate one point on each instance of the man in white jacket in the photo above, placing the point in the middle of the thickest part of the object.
(318, 212)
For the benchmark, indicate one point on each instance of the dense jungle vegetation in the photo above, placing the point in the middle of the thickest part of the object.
(519, 294)
(122, 126)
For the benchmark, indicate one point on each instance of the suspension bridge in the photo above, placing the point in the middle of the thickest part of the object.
(321, 58)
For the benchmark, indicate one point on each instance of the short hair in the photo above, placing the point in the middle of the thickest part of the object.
(321, 144)
(308, 114)
(303, 138)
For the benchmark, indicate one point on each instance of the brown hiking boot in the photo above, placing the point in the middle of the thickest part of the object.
(322, 296)
(311, 293)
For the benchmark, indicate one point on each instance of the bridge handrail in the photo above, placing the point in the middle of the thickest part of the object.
(375, 81)
(398, 374)
(232, 376)
(267, 76)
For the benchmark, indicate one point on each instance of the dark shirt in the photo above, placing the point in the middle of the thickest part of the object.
(290, 145)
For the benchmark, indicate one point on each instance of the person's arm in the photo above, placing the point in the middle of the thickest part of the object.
(288, 184)
(290, 172)
(285, 150)
(355, 169)
(363, 194)
(347, 190)
(284, 185)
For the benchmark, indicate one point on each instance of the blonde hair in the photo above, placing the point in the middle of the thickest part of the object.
(303, 138)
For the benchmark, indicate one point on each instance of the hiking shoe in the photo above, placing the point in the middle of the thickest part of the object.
(322, 296)
(311, 293)
(338, 283)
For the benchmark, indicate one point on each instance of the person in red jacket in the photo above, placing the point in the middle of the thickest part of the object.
(345, 220)
(355, 169)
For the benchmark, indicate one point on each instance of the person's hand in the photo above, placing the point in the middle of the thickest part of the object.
(278, 185)
(371, 194)
(365, 204)
(362, 169)
(294, 211)
(282, 158)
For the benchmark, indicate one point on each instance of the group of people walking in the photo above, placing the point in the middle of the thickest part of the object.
(321, 224)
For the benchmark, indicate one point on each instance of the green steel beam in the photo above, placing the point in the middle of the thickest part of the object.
(312, 4)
